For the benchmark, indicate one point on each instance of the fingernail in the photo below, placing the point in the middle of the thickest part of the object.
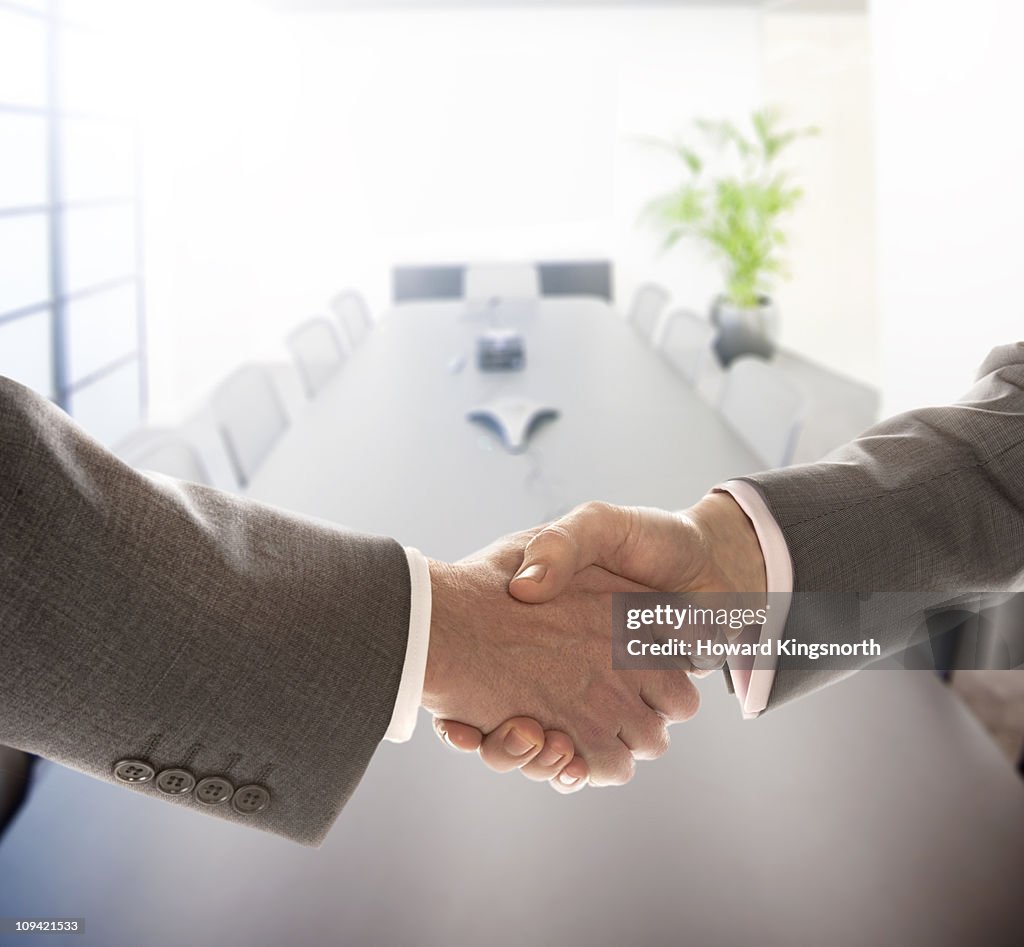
(448, 739)
(533, 573)
(549, 758)
(566, 780)
(516, 744)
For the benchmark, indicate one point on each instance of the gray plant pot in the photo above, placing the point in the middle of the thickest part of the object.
(744, 331)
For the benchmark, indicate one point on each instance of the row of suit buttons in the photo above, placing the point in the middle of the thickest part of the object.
(210, 791)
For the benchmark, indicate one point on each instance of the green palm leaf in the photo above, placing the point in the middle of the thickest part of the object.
(735, 215)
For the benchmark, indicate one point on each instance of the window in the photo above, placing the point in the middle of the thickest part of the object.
(71, 322)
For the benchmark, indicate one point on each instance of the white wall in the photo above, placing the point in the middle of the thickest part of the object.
(291, 155)
(950, 148)
(817, 68)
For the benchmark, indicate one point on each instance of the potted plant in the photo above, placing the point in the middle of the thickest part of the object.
(734, 210)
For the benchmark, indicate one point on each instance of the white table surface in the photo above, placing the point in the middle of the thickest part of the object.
(387, 448)
(875, 812)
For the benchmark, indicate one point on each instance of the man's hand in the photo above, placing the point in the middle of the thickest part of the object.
(539, 754)
(492, 658)
(712, 547)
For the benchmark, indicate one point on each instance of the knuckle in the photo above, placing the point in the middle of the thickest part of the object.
(655, 745)
(554, 534)
(691, 704)
(682, 701)
(650, 734)
(594, 509)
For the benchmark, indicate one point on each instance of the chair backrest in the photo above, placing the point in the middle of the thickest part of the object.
(443, 281)
(417, 283)
(686, 343)
(353, 314)
(250, 417)
(166, 452)
(572, 278)
(649, 302)
(764, 407)
(318, 353)
(501, 280)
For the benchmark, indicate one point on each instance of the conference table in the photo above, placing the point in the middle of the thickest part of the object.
(389, 448)
(876, 811)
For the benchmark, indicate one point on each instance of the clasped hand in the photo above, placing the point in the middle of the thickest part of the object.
(519, 665)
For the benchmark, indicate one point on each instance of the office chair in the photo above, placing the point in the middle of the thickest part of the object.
(444, 281)
(250, 417)
(417, 283)
(649, 302)
(166, 452)
(318, 353)
(686, 343)
(571, 278)
(501, 280)
(353, 314)
(765, 408)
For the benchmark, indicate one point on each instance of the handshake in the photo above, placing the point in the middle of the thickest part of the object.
(519, 664)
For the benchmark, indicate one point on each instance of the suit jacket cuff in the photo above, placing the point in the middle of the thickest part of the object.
(410, 689)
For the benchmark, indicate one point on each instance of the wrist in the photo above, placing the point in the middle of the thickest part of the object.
(440, 659)
(735, 551)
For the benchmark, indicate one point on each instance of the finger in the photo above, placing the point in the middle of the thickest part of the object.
(700, 673)
(597, 581)
(612, 765)
(512, 745)
(671, 693)
(459, 736)
(710, 662)
(573, 777)
(707, 662)
(592, 534)
(646, 737)
(557, 751)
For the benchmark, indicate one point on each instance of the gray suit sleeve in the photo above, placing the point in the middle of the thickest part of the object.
(151, 620)
(928, 504)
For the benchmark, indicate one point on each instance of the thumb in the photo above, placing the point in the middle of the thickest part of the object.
(591, 534)
(459, 736)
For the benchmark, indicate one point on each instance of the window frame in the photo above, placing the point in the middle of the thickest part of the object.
(57, 207)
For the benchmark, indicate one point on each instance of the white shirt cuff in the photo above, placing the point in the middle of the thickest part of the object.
(410, 689)
(753, 687)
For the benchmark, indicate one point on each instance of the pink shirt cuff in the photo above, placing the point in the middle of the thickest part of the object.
(754, 686)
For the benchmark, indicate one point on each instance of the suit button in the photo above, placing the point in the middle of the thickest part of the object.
(214, 790)
(250, 799)
(133, 771)
(175, 782)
